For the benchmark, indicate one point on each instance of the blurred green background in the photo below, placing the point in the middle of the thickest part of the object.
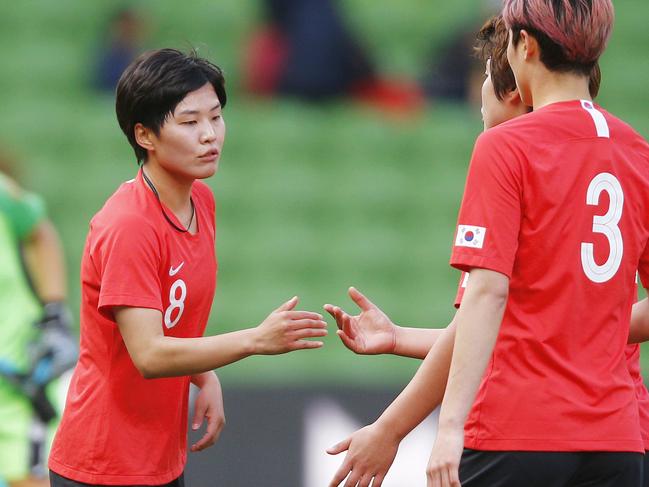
(310, 199)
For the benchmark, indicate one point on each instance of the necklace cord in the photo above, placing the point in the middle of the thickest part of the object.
(169, 220)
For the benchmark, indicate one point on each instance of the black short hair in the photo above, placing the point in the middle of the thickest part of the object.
(151, 87)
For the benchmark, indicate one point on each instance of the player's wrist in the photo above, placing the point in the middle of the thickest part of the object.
(391, 428)
(397, 340)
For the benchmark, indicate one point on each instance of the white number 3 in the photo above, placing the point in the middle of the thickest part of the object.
(607, 225)
(176, 303)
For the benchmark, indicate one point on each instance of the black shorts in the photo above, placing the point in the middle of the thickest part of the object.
(557, 469)
(57, 481)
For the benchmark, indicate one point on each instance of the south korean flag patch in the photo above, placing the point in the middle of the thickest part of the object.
(470, 236)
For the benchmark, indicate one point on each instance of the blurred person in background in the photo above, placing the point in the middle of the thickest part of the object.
(120, 46)
(451, 72)
(372, 332)
(305, 49)
(36, 345)
(148, 277)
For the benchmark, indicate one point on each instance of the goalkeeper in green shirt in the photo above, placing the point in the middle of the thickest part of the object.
(36, 346)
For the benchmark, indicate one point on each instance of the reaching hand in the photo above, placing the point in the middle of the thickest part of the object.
(285, 330)
(209, 406)
(370, 453)
(369, 333)
(444, 464)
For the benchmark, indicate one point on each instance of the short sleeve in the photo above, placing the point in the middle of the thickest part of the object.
(489, 218)
(127, 256)
(24, 210)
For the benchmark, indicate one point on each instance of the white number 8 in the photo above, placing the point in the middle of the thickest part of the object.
(606, 225)
(176, 303)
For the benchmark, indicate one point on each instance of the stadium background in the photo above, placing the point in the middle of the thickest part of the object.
(310, 199)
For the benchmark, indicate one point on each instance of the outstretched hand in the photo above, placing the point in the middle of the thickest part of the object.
(286, 329)
(370, 454)
(369, 333)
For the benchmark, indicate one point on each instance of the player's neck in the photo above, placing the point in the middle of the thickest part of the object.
(551, 87)
(173, 192)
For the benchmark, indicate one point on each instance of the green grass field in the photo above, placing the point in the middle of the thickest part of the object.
(310, 199)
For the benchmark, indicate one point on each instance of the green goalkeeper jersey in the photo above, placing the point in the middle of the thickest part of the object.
(20, 212)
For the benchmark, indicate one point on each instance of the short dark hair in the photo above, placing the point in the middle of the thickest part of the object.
(492, 40)
(155, 83)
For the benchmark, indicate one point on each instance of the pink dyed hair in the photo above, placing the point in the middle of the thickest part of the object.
(581, 28)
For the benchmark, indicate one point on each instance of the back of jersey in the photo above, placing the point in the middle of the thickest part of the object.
(558, 199)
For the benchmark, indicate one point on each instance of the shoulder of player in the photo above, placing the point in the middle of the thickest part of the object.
(620, 128)
(122, 211)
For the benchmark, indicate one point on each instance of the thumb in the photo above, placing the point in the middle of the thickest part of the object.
(339, 447)
(360, 299)
(288, 305)
(200, 408)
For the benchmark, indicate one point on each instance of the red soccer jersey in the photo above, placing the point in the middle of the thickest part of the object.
(632, 354)
(557, 200)
(117, 427)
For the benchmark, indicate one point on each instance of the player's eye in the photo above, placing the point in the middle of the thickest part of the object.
(189, 122)
(216, 118)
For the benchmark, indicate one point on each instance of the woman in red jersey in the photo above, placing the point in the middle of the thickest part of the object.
(559, 457)
(148, 277)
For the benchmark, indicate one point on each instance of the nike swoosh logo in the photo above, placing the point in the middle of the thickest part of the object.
(173, 272)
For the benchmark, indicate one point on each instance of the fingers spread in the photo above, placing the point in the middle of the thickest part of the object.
(340, 474)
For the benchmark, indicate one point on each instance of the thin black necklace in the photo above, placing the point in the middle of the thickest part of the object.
(155, 192)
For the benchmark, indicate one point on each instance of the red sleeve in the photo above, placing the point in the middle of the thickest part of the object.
(127, 256)
(489, 219)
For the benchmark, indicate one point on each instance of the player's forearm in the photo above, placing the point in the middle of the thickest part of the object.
(425, 391)
(478, 323)
(45, 262)
(415, 342)
(170, 357)
(639, 329)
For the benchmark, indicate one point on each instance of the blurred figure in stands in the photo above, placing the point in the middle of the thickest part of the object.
(306, 50)
(123, 43)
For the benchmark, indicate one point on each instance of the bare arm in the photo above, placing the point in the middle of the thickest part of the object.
(372, 449)
(45, 262)
(478, 323)
(639, 330)
(156, 355)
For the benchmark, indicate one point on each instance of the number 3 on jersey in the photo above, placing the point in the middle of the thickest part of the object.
(175, 303)
(607, 225)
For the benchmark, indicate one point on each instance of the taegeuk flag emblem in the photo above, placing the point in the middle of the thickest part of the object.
(470, 236)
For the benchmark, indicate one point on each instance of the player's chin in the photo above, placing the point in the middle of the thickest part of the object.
(205, 169)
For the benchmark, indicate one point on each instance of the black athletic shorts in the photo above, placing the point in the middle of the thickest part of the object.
(57, 481)
(556, 469)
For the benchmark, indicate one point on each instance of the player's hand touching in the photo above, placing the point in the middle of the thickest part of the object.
(370, 453)
(368, 333)
(287, 329)
(444, 462)
(208, 407)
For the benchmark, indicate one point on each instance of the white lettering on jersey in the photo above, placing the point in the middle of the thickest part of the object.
(600, 122)
(173, 272)
(470, 236)
(175, 302)
(607, 225)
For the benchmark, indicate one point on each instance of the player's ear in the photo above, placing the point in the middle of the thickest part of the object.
(529, 44)
(513, 98)
(143, 136)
